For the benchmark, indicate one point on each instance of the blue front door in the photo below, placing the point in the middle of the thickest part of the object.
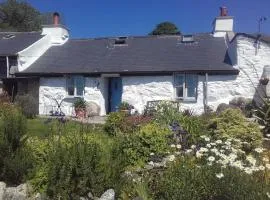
(115, 93)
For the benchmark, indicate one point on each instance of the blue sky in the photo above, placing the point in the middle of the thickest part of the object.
(101, 18)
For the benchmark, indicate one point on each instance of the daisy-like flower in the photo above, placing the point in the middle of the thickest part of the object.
(173, 145)
(251, 160)
(248, 170)
(268, 195)
(211, 158)
(262, 168)
(220, 175)
(202, 149)
(189, 150)
(198, 154)
(207, 139)
(265, 159)
(193, 146)
(267, 166)
(267, 135)
(151, 154)
(208, 145)
(259, 150)
(218, 141)
(178, 146)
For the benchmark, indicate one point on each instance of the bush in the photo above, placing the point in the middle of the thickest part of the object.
(15, 159)
(186, 180)
(262, 113)
(114, 123)
(28, 105)
(137, 147)
(167, 113)
(232, 124)
(77, 163)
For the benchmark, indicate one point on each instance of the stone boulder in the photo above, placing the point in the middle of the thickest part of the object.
(16, 193)
(2, 190)
(108, 195)
(92, 109)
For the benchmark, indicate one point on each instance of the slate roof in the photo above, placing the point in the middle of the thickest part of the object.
(20, 41)
(147, 54)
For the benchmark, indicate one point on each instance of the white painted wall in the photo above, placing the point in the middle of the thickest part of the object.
(51, 88)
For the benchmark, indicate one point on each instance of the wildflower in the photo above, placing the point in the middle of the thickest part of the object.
(151, 163)
(262, 168)
(268, 195)
(151, 154)
(218, 141)
(193, 146)
(178, 146)
(198, 154)
(202, 149)
(267, 135)
(228, 143)
(213, 144)
(220, 175)
(171, 158)
(173, 145)
(251, 160)
(203, 136)
(211, 158)
(210, 163)
(259, 150)
(207, 139)
(189, 150)
(208, 145)
(267, 166)
(248, 170)
(265, 159)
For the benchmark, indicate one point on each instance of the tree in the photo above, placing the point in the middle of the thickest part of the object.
(17, 15)
(165, 28)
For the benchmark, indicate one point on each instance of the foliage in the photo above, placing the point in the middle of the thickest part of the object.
(187, 180)
(114, 123)
(125, 106)
(80, 103)
(263, 115)
(151, 138)
(19, 16)
(232, 124)
(167, 112)
(15, 160)
(27, 104)
(165, 28)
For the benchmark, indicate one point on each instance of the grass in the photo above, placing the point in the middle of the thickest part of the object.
(43, 127)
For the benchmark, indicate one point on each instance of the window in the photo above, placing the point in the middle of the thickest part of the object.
(186, 86)
(75, 85)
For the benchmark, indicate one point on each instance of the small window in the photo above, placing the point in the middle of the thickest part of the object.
(187, 38)
(75, 85)
(120, 41)
(186, 86)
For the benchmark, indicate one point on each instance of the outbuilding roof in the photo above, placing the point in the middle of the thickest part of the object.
(146, 54)
(13, 42)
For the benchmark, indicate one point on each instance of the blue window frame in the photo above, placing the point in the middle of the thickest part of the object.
(186, 86)
(75, 85)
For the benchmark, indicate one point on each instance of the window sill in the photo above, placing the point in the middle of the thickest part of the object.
(186, 100)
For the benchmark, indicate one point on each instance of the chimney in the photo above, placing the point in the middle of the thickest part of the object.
(223, 23)
(56, 18)
(223, 11)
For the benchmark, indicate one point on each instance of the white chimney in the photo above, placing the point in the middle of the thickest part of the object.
(223, 23)
(59, 34)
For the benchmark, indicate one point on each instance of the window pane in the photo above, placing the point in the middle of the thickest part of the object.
(80, 85)
(191, 85)
(179, 92)
(70, 86)
(179, 79)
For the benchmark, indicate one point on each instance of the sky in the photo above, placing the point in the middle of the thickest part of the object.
(103, 18)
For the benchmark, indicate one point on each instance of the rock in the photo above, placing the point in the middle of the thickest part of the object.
(92, 109)
(16, 193)
(2, 190)
(108, 195)
(90, 195)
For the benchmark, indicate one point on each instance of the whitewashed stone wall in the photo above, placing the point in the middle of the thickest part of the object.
(55, 88)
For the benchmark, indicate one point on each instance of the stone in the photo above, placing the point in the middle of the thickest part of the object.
(92, 109)
(108, 195)
(90, 195)
(2, 190)
(16, 193)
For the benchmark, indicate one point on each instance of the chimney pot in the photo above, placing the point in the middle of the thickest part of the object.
(56, 18)
(223, 11)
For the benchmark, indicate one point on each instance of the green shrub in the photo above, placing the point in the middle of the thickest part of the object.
(167, 112)
(114, 123)
(232, 124)
(152, 138)
(185, 180)
(28, 104)
(15, 159)
(262, 113)
(76, 164)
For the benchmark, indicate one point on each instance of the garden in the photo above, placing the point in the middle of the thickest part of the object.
(162, 154)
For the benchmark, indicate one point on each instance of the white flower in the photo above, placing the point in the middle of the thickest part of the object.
(228, 143)
(203, 136)
(198, 154)
(232, 157)
(220, 175)
(262, 168)
(178, 146)
(207, 139)
(208, 145)
(248, 170)
(267, 166)
(151, 154)
(267, 193)
(251, 160)
(211, 159)
(202, 149)
(189, 150)
(259, 150)
(151, 163)
(171, 158)
(193, 146)
(210, 163)
(238, 164)
(267, 135)
(218, 141)
(265, 159)
(173, 145)
(213, 144)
